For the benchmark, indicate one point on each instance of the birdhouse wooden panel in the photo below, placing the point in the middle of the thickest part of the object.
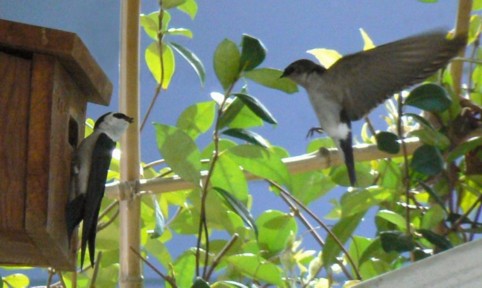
(47, 77)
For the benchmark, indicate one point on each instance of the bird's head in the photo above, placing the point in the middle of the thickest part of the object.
(299, 71)
(114, 124)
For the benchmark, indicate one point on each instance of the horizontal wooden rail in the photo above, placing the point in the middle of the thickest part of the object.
(323, 159)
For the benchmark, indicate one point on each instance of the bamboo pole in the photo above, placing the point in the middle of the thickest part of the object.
(130, 265)
(298, 164)
(461, 28)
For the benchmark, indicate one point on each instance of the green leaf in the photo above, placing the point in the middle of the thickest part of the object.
(343, 230)
(184, 269)
(433, 194)
(433, 217)
(240, 209)
(238, 115)
(197, 118)
(227, 63)
(200, 283)
(270, 78)
(393, 218)
(179, 32)
(360, 200)
(261, 162)
(189, 7)
(464, 148)
(168, 4)
(432, 137)
(427, 160)
(396, 241)
(248, 136)
(253, 52)
(160, 221)
(275, 231)
(150, 23)
(257, 107)
(429, 97)
(256, 267)
(227, 175)
(438, 240)
(153, 62)
(16, 280)
(192, 59)
(388, 142)
(179, 151)
(310, 186)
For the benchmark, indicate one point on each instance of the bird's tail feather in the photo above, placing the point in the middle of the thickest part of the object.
(347, 149)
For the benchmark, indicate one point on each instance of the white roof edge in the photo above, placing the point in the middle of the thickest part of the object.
(458, 267)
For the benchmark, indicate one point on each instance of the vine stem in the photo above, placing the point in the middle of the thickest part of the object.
(323, 225)
(167, 278)
(160, 36)
(205, 185)
(406, 171)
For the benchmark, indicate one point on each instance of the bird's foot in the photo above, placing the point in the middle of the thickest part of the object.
(314, 130)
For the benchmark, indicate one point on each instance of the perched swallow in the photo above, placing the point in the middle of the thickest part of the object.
(357, 83)
(90, 165)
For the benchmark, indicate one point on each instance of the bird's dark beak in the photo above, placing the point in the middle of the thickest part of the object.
(130, 119)
(283, 75)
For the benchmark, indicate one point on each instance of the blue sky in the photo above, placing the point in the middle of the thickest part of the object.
(287, 29)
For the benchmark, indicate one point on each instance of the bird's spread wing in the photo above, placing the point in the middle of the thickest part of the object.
(369, 77)
(101, 158)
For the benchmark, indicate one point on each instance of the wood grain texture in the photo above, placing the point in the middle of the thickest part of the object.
(65, 46)
(14, 105)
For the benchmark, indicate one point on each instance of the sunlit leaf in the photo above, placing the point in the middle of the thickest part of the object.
(192, 59)
(184, 269)
(248, 136)
(257, 107)
(179, 151)
(464, 148)
(393, 218)
(429, 97)
(427, 160)
(197, 118)
(367, 42)
(253, 52)
(153, 60)
(261, 162)
(343, 230)
(361, 200)
(256, 267)
(227, 63)
(168, 4)
(16, 280)
(271, 78)
(227, 175)
(326, 57)
(189, 7)
(238, 115)
(275, 229)
(474, 28)
(179, 32)
(150, 23)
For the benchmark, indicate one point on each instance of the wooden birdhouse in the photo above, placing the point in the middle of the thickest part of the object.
(47, 77)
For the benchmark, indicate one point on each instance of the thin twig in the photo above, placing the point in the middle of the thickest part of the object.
(166, 278)
(223, 252)
(96, 269)
(204, 192)
(160, 36)
(323, 225)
